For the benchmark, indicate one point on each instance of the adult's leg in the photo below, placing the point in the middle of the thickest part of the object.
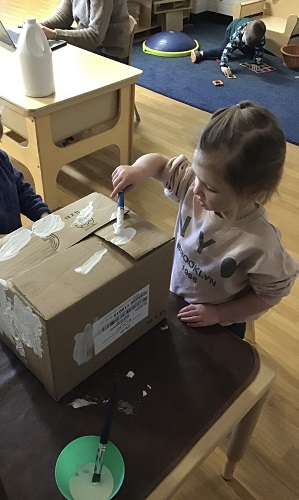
(238, 329)
(98, 51)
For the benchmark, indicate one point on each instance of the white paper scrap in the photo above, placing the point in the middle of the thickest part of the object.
(79, 403)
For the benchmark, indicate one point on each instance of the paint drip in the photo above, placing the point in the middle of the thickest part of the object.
(126, 235)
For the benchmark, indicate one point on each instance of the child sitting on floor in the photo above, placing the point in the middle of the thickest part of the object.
(16, 196)
(229, 262)
(242, 33)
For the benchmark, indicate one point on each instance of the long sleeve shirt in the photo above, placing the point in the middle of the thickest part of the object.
(235, 32)
(101, 24)
(216, 260)
(16, 197)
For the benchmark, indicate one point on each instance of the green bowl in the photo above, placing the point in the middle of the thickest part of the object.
(84, 450)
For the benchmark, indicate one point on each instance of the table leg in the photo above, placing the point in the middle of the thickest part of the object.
(240, 437)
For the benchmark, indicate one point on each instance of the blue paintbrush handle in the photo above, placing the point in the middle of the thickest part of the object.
(108, 418)
(121, 199)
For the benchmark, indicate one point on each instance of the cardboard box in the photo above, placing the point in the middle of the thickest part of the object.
(63, 324)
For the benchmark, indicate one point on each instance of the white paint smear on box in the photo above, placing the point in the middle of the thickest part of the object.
(14, 244)
(47, 225)
(121, 319)
(90, 263)
(84, 348)
(19, 323)
(84, 215)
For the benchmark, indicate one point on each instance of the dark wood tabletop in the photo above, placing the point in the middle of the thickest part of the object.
(184, 380)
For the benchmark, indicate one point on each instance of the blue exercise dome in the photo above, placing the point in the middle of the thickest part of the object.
(170, 44)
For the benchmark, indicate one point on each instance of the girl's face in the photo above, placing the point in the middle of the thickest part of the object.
(211, 191)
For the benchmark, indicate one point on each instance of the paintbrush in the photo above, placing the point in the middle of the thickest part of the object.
(96, 478)
(120, 213)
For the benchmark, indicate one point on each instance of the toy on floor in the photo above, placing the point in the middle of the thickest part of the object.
(218, 83)
(263, 67)
(170, 44)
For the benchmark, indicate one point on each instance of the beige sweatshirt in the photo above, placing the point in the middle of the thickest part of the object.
(99, 23)
(215, 260)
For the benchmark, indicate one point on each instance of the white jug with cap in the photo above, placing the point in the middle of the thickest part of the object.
(36, 60)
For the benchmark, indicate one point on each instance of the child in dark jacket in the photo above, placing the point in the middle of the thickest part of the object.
(16, 196)
(242, 33)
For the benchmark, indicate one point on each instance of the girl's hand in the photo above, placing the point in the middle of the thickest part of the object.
(126, 178)
(226, 70)
(196, 315)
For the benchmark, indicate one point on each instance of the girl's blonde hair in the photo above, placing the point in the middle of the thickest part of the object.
(251, 147)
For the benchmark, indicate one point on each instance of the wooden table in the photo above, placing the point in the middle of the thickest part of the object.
(199, 383)
(93, 102)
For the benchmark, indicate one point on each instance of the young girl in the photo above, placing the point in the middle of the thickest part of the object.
(229, 262)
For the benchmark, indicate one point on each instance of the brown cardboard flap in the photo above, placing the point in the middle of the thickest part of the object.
(53, 286)
(34, 252)
(103, 208)
(146, 239)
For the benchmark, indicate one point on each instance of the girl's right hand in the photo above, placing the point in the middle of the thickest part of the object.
(125, 178)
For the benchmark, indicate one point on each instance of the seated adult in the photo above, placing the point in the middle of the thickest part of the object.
(102, 26)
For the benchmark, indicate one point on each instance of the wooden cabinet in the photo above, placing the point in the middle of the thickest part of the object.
(168, 14)
(222, 6)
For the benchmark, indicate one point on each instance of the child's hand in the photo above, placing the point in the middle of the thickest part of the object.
(197, 315)
(44, 215)
(255, 67)
(125, 178)
(226, 70)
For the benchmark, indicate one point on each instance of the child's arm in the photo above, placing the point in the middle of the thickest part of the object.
(31, 204)
(227, 52)
(128, 177)
(233, 311)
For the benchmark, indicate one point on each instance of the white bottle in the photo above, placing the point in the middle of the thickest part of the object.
(36, 60)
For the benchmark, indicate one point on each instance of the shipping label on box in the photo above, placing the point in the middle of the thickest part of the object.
(72, 299)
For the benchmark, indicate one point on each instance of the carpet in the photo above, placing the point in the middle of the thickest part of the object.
(191, 84)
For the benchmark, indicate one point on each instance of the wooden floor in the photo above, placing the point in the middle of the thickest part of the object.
(270, 469)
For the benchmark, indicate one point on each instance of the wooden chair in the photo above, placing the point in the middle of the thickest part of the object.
(279, 16)
(250, 332)
(133, 25)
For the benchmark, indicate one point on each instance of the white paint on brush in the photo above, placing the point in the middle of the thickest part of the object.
(84, 215)
(47, 225)
(13, 244)
(81, 485)
(90, 263)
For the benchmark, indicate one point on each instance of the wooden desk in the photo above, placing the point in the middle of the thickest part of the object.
(200, 384)
(91, 93)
